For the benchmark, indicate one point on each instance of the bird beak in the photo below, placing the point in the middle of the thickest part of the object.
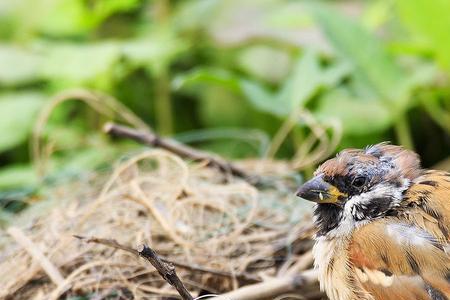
(319, 191)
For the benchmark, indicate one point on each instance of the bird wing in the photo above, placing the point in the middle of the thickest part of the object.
(395, 259)
(428, 202)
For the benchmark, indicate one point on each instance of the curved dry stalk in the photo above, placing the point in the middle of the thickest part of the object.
(101, 103)
(314, 147)
(271, 288)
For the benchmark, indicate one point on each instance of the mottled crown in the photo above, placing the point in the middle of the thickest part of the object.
(387, 160)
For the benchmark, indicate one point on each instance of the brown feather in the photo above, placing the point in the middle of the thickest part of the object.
(382, 246)
(403, 288)
(429, 198)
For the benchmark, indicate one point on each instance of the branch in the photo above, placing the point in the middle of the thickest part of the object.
(114, 244)
(164, 268)
(152, 139)
(107, 242)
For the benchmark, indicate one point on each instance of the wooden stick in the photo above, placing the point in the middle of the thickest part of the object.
(107, 242)
(271, 288)
(33, 250)
(114, 244)
(166, 270)
(152, 139)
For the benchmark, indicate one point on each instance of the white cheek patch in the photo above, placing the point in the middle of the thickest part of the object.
(381, 191)
(394, 193)
(353, 214)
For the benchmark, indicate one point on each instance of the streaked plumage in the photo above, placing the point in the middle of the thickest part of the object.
(383, 226)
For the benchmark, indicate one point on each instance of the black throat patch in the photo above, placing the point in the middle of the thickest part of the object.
(328, 217)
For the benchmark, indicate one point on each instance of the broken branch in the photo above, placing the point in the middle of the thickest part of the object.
(152, 139)
(164, 267)
(114, 244)
(166, 270)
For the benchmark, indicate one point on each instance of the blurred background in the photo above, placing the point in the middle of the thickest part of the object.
(295, 80)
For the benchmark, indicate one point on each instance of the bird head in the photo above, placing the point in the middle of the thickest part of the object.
(361, 184)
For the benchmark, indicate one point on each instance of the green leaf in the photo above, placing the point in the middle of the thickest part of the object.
(64, 18)
(290, 15)
(79, 63)
(17, 114)
(260, 97)
(87, 158)
(307, 78)
(256, 93)
(377, 13)
(18, 66)
(268, 63)
(358, 117)
(373, 65)
(73, 17)
(16, 176)
(197, 15)
(430, 23)
(206, 76)
(156, 51)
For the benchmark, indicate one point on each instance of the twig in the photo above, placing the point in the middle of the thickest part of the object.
(36, 254)
(272, 287)
(152, 139)
(108, 242)
(114, 244)
(166, 270)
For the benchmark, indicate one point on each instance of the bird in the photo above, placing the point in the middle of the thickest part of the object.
(382, 225)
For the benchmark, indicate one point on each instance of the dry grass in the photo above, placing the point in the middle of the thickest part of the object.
(186, 212)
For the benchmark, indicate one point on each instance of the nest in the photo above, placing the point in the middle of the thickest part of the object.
(220, 232)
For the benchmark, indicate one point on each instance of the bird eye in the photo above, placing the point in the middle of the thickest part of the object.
(359, 181)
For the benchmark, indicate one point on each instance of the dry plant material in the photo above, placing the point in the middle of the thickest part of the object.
(36, 254)
(272, 287)
(220, 235)
(150, 138)
(321, 141)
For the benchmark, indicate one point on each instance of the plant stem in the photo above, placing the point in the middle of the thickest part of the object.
(439, 115)
(163, 104)
(163, 101)
(403, 132)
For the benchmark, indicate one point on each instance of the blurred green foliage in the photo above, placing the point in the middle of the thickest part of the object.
(223, 74)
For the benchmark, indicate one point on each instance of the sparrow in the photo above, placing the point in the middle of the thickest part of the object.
(382, 225)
